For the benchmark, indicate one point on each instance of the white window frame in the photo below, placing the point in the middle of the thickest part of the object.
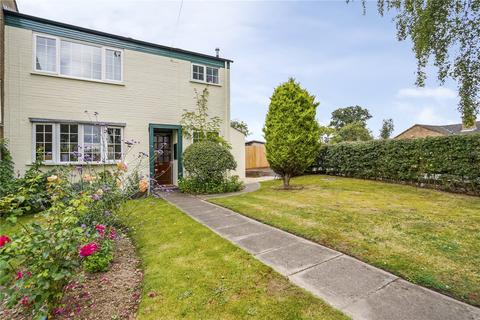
(204, 81)
(58, 73)
(81, 146)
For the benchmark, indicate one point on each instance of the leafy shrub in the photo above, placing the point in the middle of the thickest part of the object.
(448, 163)
(28, 194)
(195, 186)
(208, 162)
(101, 259)
(6, 169)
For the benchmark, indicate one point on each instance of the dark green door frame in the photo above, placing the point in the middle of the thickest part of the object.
(179, 151)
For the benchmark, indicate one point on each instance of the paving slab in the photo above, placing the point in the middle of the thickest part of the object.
(225, 221)
(297, 257)
(243, 230)
(342, 280)
(263, 242)
(207, 213)
(402, 300)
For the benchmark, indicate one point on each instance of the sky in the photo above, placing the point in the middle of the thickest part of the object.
(337, 53)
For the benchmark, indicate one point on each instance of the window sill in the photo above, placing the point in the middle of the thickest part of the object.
(37, 73)
(109, 163)
(206, 83)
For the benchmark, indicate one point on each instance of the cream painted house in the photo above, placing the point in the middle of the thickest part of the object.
(77, 94)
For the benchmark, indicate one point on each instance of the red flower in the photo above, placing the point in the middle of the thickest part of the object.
(113, 233)
(101, 229)
(19, 275)
(4, 240)
(88, 249)
(24, 301)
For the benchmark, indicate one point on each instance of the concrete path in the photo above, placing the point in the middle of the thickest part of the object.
(358, 289)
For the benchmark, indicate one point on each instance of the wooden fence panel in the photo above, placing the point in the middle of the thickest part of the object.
(255, 157)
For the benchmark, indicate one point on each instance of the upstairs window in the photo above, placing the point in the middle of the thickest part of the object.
(212, 75)
(205, 74)
(46, 57)
(77, 60)
(198, 72)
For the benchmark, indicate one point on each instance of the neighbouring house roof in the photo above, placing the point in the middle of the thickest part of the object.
(248, 143)
(61, 29)
(448, 129)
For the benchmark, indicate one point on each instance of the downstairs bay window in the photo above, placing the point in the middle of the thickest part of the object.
(77, 143)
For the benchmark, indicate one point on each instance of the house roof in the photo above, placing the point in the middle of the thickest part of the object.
(38, 24)
(447, 129)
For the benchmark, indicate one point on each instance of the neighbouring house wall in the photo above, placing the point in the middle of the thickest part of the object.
(156, 89)
(237, 139)
(418, 132)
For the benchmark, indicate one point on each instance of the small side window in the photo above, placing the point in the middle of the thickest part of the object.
(198, 72)
(212, 75)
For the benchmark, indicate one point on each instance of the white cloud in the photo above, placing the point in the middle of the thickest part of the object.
(435, 93)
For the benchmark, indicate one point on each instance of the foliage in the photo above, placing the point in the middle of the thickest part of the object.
(241, 126)
(199, 275)
(291, 131)
(355, 131)
(6, 169)
(38, 263)
(207, 161)
(353, 114)
(387, 128)
(448, 31)
(198, 124)
(425, 236)
(326, 133)
(28, 194)
(447, 163)
(196, 186)
(100, 260)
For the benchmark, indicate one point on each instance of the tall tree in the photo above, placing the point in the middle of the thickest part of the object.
(355, 131)
(387, 128)
(448, 31)
(291, 131)
(343, 116)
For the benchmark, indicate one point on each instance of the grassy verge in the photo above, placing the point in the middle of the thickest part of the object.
(190, 272)
(428, 237)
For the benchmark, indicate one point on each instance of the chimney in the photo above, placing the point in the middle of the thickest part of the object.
(217, 52)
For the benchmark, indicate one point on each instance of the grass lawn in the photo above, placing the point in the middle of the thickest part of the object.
(428, 237)
(190, 272)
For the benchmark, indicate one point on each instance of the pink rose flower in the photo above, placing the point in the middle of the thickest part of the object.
(88, 249)
(113, 233)
(101, 229)
(19, 275)
(24, 302)
(4, 240)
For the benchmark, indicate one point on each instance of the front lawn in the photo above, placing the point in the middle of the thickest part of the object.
(190, 272)
(428, 237)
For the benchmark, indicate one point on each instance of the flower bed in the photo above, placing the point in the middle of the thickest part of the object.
(43, 265)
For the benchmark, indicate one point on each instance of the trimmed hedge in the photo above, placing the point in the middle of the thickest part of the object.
(450, 163)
